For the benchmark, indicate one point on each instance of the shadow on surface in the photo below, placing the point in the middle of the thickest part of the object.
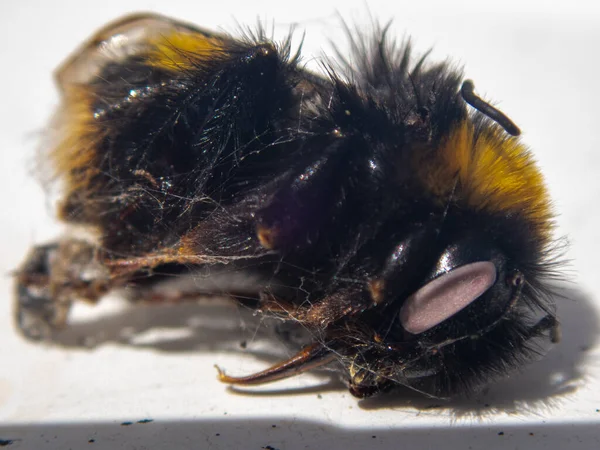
(223, 327)
(285, 433)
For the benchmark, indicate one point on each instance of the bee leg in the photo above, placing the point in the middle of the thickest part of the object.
(321, 312)
(360, 391)
(310, 357)
(547, 324)
(277, 306)
(51, 277)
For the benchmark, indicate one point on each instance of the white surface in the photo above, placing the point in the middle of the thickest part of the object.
(539, 59)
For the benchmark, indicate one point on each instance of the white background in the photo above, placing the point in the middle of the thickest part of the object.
(539, 60)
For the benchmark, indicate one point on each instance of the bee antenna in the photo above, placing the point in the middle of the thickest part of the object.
(468, 93)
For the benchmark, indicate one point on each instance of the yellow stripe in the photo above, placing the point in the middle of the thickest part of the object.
(182, 51)
(75, 151)
(491, 173)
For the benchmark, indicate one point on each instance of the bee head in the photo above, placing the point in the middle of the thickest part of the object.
(452, 307)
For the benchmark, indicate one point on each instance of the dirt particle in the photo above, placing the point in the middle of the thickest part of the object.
(5, 442)
(145, 421)
(501, 433)
(126, 424)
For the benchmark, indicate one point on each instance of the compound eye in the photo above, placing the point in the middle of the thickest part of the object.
(446, 295)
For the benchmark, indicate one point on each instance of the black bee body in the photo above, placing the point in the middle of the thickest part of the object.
(408, 234)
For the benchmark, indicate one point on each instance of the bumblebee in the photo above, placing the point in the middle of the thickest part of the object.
(383, 206)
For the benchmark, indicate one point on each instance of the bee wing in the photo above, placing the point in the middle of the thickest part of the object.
(123, 38)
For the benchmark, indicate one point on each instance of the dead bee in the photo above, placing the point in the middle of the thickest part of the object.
(409, 233)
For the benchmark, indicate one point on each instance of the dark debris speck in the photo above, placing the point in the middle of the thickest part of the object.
(319, 396)
(374, 437)
(217, 434)
(5, 442)
(145, 421)
(501, 433)
(126, 424)
(91, 441)
(268, 447)
(530, 434)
